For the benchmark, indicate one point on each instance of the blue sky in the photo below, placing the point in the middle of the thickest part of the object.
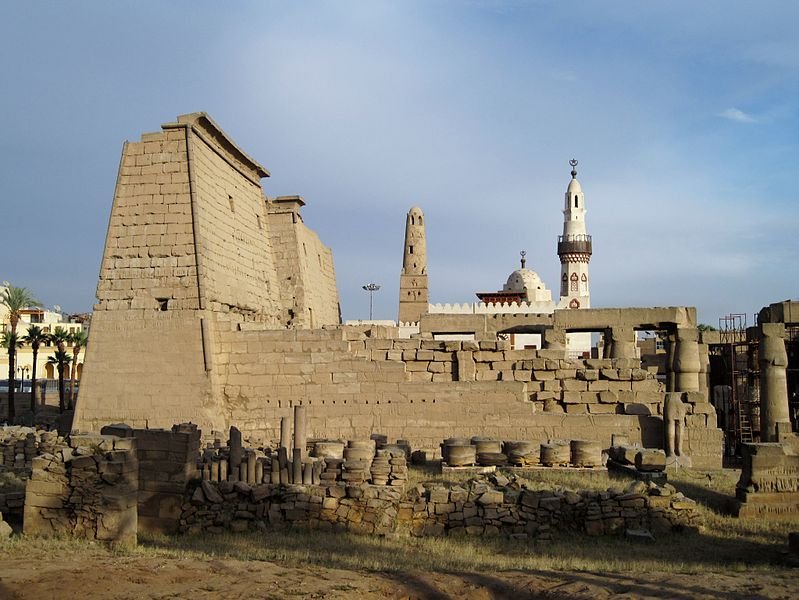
(684, 117)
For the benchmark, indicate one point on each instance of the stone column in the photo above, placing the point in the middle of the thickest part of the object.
(236, 450)
(686, 360)
(704, 371)
(298, 452)
(607, 344)
(774, 416)
(623, 342)
(285, 432)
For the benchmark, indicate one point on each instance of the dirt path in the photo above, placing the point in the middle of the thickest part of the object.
(106, 577)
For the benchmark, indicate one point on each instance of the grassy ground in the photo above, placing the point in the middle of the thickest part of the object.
(726, 544)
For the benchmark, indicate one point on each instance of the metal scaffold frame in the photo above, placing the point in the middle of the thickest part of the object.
(740, 395)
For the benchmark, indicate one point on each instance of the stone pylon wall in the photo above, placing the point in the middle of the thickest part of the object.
(189, 250)
(305, 270)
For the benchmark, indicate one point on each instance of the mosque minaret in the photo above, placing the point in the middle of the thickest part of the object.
(574, 248)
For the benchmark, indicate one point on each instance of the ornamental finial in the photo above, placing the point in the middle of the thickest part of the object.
(524, 260)
(573, 163)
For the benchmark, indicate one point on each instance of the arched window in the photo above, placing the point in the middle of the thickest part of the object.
(420, 220)
(575, 303)
(574, 282)
(576, 204)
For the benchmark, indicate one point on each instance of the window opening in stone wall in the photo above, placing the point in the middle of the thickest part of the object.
(163, 304)
(230, 200)
(410, 249)
(258, 217)
(575, 202)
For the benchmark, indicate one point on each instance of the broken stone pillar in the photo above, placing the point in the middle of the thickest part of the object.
(285, 432)
(774, 415)
(467, 370)
(623, 343)
(252, 461)
(686, 360)
(300, 439)
(236, 450)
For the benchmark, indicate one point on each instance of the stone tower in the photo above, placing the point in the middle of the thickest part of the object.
(413, 297)
(574, 248)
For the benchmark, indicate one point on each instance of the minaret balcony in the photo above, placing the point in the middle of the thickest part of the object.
(578, 243)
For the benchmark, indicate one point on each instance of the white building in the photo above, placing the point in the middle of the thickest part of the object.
(525, 292)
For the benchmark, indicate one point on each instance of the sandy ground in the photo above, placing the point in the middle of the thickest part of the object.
(106, 576)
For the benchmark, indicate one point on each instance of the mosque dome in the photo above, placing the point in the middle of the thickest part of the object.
(523, 279)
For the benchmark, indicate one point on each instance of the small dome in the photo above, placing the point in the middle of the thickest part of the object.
(523, 279)
(416, 211)
(574, 187)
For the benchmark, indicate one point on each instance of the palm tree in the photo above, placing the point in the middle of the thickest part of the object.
(15, 299)
(79, 338)
(35, 338)
(9, 341)
(60, 359)
(60, 337)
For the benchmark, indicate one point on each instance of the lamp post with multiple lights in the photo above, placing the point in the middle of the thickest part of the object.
(371, 288)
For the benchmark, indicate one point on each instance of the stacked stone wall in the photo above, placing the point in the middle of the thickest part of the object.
(429, 390)
(87, 490)
(167, 462)
(478, 508)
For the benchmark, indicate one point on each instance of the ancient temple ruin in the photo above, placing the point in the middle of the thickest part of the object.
(218, 306)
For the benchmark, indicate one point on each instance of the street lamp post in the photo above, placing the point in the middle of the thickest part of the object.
(371, 288)
(22, 372)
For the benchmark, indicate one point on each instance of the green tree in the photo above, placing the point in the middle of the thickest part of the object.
(9, 341)
(79, 339)
(35, 338)
(15, 299)
(60, 337)
(60, 359)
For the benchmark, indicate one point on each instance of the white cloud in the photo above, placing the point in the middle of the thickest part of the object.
(737, 115)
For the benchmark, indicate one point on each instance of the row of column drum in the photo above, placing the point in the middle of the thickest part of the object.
(463, 452)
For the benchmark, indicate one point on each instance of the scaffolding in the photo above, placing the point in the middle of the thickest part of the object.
(792, 372)
(736, 391)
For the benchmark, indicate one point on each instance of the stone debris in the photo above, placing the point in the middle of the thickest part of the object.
(20, 445)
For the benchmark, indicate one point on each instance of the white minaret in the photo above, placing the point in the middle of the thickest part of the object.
(574, 249)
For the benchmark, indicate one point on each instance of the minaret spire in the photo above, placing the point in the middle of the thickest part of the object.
(413, 296)
(524, 260)
(574, 247)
